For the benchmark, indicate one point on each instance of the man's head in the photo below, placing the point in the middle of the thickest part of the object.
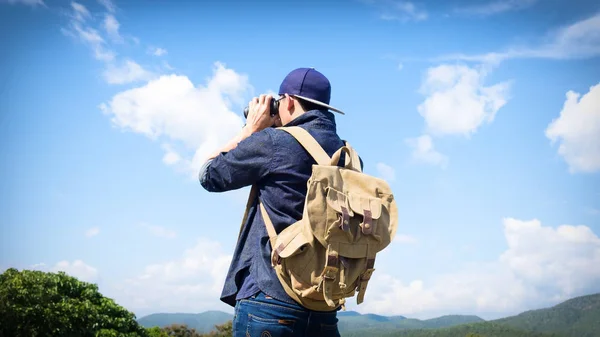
(303, 89)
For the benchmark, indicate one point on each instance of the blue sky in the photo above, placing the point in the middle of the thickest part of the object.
(483, 116)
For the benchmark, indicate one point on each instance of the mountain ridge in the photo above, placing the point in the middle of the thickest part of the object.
(575, 317)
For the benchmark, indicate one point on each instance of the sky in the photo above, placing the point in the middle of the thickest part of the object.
(484, 117)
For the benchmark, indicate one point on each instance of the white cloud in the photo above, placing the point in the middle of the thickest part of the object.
(397, 10)
(192, 121)
(191, 283)
(405, 239)
(111, 25)
(80, 12)
(386, 172)
(108, 4)
(159, 231)
(578, 40)
(578, 130)
(88, 35)
(457, 101)
(541, 266)
(92, 232)
(159, 51)
(78, 269)
(496, 7)
(123, 72)
(171, 157)
(424, 152)
(128, 72)
(25, 2)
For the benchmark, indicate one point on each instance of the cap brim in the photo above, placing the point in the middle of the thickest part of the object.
(319, 103)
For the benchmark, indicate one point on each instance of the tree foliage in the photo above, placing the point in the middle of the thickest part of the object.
(182, 330)
(36, 303)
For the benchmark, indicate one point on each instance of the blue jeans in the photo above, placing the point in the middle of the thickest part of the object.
(263, 316)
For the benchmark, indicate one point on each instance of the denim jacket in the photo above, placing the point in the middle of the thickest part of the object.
(280, 167)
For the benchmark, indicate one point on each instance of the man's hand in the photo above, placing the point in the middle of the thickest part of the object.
(259, 117)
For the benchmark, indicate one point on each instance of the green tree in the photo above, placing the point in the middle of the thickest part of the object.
(181, 330)
(36, 303)
(156, 332)
(222, 330)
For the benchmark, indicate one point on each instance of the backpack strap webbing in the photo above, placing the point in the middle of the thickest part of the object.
(269, 225)
(251, 196)
(270, 228)
(309, 143)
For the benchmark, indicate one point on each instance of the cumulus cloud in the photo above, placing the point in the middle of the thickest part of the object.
(457, 100)
(423, 152)
(577, 130)
(92, 232)
(128, 72)
(386, 172)
(541, 266)
(190, 121)
(191, 283)
(77, 269)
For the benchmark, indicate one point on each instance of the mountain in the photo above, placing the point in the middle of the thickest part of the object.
(577, 317)
(202, 322)
(348, 321)
(370, 324)
(482, 329)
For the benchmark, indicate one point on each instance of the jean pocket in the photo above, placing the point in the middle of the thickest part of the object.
(269, 327)
(329, 330)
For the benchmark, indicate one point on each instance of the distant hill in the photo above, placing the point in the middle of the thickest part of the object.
(202, 322)
(369, 324)
(348, 321)
(577, 317)
(482, 329)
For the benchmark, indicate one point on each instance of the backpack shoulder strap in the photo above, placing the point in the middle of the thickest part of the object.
(270, 228)
(309, 143)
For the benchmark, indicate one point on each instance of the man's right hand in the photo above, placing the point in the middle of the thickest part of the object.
(259, 116)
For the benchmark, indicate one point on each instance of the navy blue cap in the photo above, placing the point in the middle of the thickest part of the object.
(310, 85)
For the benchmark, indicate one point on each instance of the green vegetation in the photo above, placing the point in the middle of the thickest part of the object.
(35, 303)
(40, 304)
(203, 322)
(483, 329)
(577, 317)
(353, 321)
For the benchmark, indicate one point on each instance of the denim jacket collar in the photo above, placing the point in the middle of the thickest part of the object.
(315, 119)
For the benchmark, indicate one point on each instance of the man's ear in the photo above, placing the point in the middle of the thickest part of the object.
(289, 101)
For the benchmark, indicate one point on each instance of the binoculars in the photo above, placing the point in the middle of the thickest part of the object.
(273, 108)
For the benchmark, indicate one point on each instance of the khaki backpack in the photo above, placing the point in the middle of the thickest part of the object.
(348, 218)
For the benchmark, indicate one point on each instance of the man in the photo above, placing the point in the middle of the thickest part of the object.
(279, 166)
